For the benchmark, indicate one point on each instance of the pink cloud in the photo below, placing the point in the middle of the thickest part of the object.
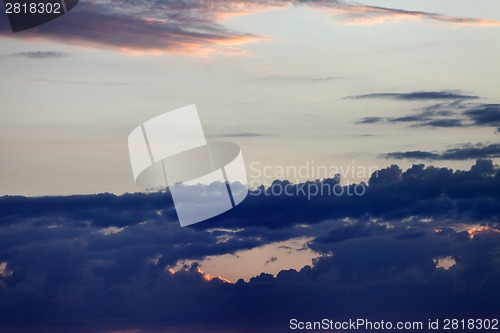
(195, 27)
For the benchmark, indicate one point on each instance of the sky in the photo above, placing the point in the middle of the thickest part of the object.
(278, 77)
(398, 98)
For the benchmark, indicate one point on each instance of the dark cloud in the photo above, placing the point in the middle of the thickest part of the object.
(462, 153)
(486, 114)
(443, 123)
(39, 54)
(320, 79)
(418, 95)
(390, 193)
(460, 112)
(413, 155)
(194, 26)
(99, 263)
(372, 120)
(355, 13)
(154, 27)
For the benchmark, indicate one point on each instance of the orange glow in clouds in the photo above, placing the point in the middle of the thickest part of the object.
(198, 29)
(481, 230)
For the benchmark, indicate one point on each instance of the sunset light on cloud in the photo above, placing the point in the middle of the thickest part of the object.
(482, 230)
(368, 15)
(198, 27)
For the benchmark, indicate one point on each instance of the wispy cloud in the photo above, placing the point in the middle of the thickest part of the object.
(486, 114)
(80, 279)
(466, 152)
(419, 95)
(443, 123)
(196, 27)
(459, 111)
(39, 55)
(359, 14)
(242, 135)
(271, 260)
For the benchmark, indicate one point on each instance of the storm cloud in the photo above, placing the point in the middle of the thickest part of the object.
(39, 55)
(102, 263)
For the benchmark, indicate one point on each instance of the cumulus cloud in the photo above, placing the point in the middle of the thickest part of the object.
(107, 264)
(390, 193)
(196, 26)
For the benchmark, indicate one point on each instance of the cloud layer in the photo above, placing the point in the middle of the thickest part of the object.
(39, 55)
(461, 153)
(456, 110)
(100, 263)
